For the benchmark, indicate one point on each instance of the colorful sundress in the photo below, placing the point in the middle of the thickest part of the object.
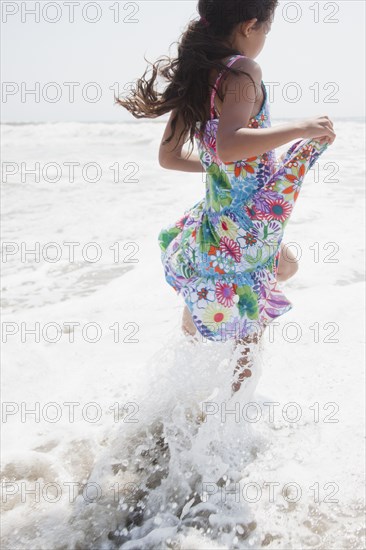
(222, 255)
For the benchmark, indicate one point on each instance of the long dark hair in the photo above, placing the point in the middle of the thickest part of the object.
(201, 47)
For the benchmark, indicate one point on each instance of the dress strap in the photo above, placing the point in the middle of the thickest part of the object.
(232, 60)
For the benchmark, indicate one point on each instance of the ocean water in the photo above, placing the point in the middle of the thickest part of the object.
(105, 444)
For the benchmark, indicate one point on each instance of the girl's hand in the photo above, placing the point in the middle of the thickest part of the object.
(318, 127)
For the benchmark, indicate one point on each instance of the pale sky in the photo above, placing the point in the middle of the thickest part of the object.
(320, 46)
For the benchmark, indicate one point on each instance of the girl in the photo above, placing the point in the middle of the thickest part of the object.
(225, 255)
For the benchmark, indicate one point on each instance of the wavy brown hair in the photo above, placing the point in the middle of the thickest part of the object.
(201, 47)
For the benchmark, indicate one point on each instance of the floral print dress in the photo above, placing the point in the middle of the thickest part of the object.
(222, 255)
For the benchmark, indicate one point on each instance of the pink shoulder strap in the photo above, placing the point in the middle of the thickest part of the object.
(214, 91)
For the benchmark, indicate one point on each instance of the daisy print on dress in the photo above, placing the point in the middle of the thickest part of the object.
(202, 296)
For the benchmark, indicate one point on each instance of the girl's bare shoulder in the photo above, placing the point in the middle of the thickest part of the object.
(247, 65)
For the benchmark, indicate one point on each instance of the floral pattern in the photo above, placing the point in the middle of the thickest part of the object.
(222, 255)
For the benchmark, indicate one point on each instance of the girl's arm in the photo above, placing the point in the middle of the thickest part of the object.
(235, 141)
(173, 160)
(243, 143)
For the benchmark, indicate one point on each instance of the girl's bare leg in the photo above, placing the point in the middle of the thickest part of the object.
(287, 267)
(188, 325)
(244, 364)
